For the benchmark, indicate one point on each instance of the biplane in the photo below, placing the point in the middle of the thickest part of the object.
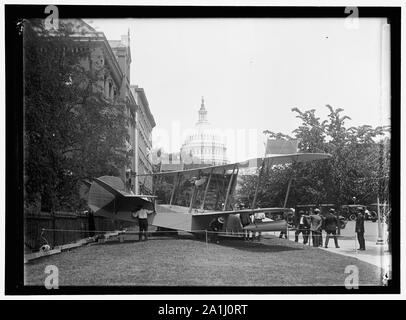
(198, 195)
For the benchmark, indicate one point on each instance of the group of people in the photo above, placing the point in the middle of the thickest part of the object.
(249, 218)
(313, 224)
(307, 224)
(216, 225)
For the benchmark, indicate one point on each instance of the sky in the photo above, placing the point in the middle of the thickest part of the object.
(251, 72)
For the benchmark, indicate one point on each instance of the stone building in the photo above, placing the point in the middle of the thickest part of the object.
(143, 141)
(113, 59)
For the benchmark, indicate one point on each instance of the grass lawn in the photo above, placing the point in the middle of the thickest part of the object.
(187, 262)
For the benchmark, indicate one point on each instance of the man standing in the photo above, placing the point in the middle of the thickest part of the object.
(258, 217)
(285, 216)
(302, 226)
(91, 223)
(142, 215)
(331, 224)
(316, 222)
(216, 226)
(359, 229)
(245, 221)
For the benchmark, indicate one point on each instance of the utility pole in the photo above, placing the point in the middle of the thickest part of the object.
(254, 201)
(385, 96)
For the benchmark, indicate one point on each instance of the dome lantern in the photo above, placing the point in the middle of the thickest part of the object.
(202, 113)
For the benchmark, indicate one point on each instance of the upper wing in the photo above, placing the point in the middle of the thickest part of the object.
(206, 170)
(276, 159)
(219, 213)
(295, 157)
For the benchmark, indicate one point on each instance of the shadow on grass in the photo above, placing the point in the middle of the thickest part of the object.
(257, 246)
(115, 242)
(240, 244)
(150, 238)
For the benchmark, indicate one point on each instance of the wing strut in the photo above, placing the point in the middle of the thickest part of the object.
(229, 188)
(175, 184)
(287, 192)
(206, 190)
(219, 188)
(193, 197)
(261, 171)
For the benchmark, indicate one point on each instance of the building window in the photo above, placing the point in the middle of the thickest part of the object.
(110, 89)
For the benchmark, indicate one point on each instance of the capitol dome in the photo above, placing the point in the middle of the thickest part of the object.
(206, 143)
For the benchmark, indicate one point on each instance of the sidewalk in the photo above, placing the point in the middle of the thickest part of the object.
(377, 255)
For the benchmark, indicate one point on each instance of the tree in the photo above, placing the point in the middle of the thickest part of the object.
(359, 165)
(71, 132)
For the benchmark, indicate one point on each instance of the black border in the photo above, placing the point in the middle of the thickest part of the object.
(14, 267)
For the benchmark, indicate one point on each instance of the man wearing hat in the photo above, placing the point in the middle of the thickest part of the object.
(331, 224)
(302, 226)
(359, 229)
(216, 225)
(245, 221)
(316, 222)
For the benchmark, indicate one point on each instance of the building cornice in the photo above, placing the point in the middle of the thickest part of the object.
(145, 104)
(92, 36)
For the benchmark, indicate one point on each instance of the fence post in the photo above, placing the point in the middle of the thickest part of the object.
(53, 227)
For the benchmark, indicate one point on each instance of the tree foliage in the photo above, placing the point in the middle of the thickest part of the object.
(359, 166)
(71, 132)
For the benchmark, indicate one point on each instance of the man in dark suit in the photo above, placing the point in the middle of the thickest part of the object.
(245, 221)
(316, 223)
(216, 226)
(359, 229)
(284, 216)
(331, 224)
(302, 226)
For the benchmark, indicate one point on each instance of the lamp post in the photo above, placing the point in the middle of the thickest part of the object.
(379, 241)
(385, 93)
